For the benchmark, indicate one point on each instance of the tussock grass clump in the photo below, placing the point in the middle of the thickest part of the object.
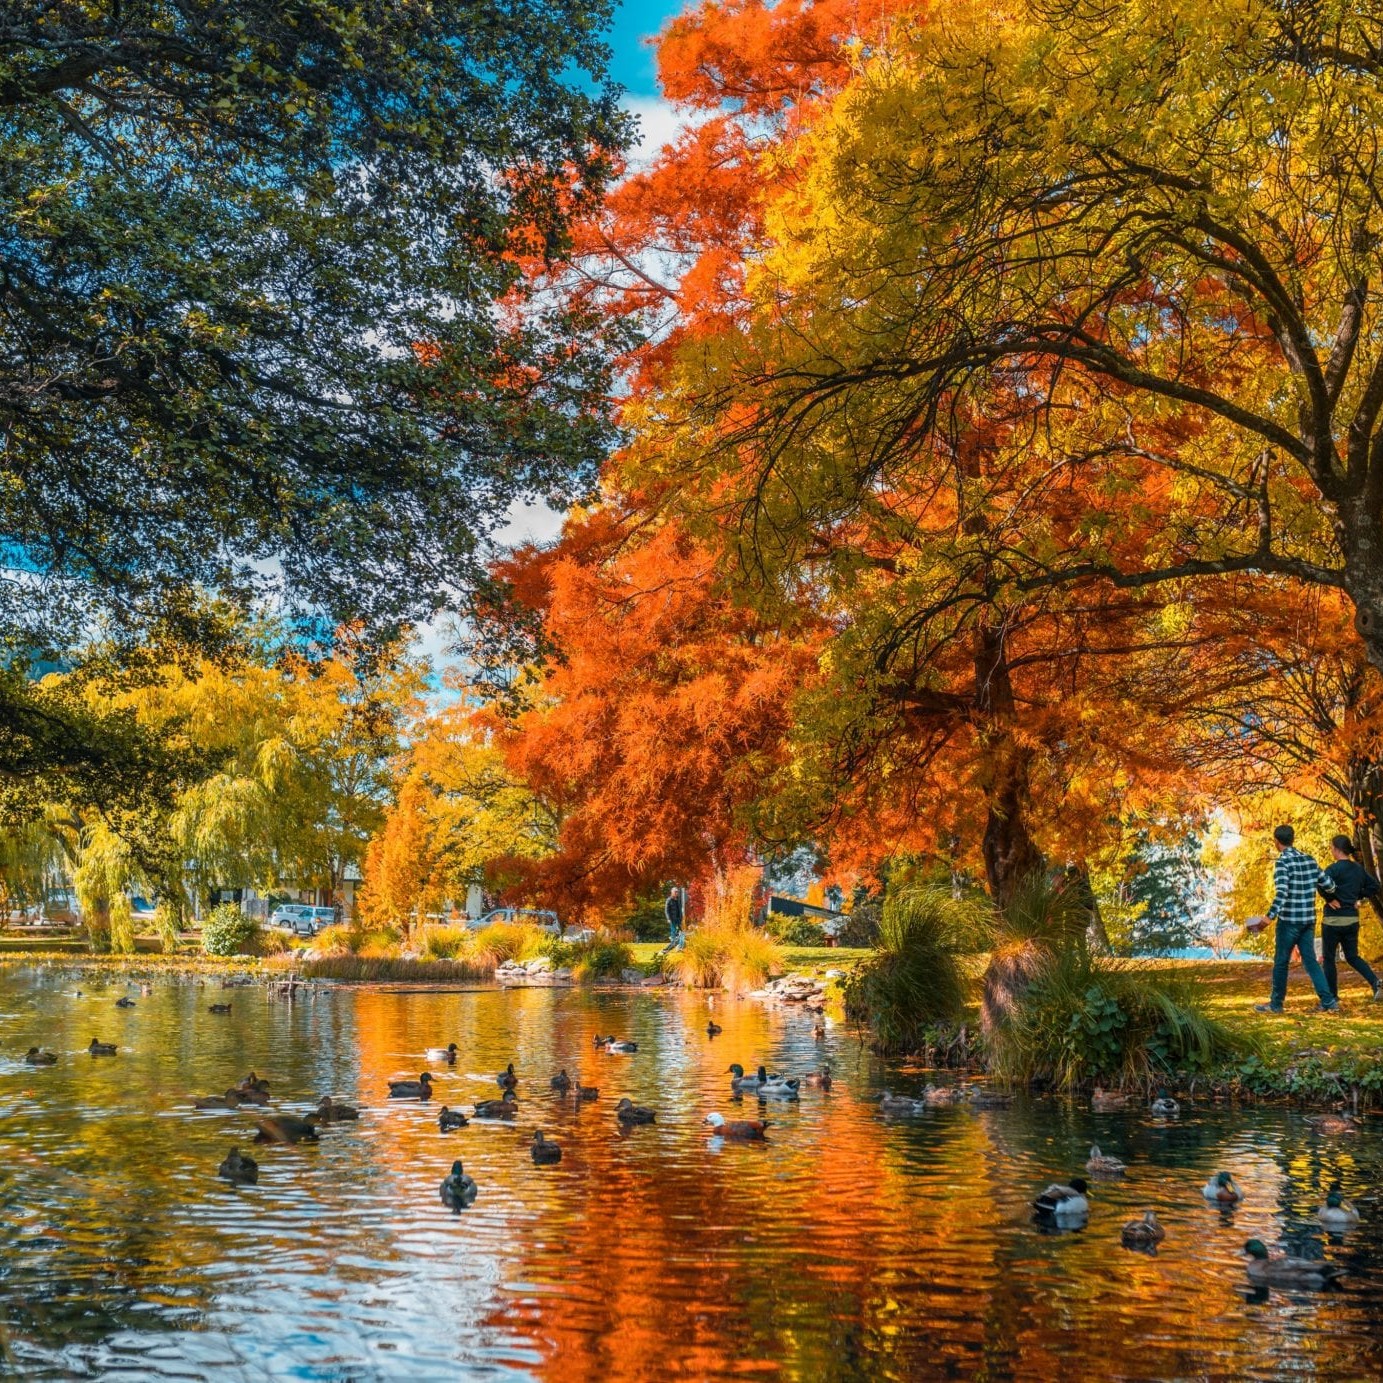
(442, 941)
(727, 949)
(383, 970)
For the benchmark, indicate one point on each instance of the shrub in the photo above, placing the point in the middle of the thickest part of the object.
(862, 926)
(700, 964)
(439, 941)
(502, 941)
(226, 931)
(914, 981)
(598, 959)
(795, 931)
(717, 956)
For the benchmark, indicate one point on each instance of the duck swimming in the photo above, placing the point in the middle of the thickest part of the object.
(739, 1081)
(449, 1119)
(713, 1029)
(458, 1190)
(899, 1104)
(819, 1080)
(1108, 1101)
(503, 1108)
(1279, 1270)
(1332, 1124)
(102, 1048)
(239, 1168)
(124, 1002)
(779, 1088)
(981, 1097)
(420, 1089)
(545, 1154)
(230, 1100)
(284, 1128)
(745, 1130)
(219, 1008)
(254, 1085)
(819, 1031)
(1144, 1233)
(627, 1112)
(507, 1080)
(447, 1053)
(332, 1111)
(1222, 1190)
(941, 1096)
(1164, 1106)
(1337, 1213)
(585, 1093)
(1064, 1202)
(1101, 1165)
(561, 1081)
(35, 1057)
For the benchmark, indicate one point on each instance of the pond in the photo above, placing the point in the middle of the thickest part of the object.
(846, 1247)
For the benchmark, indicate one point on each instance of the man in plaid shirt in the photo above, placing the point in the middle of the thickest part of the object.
(1296, 877)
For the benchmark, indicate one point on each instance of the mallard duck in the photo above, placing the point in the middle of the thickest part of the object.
(941, 1096)
(420, 1089)
(1108, 1101)
(504, 1108)
(819, 1030)
(598, 1041)
(627, 1112)
(981, 1097)
(819, 1080)
(616, 1047)
(1279, 1270)
(250, 1095)
(779, 1088)
(1165, 1107)
(284, 1128)
(1337, 1213)
(332, 1111)
(219, 1008)
(1064, 1202)
(254, 1083)
(449, 1119)
(124, 1002)
(739, 1081)
(1333, 1124)
(102, 1048)
(899, 1104)
(1222, 1190)
(585, 1093)
(36, 1057)
(1101, 1165)
(459, 1190)
(545, 1154)
(561, 1081)
(230, 1100)
(507, 1080)
(747, 1130)
(240, 1168)
(447, 1053)
(713, 1029)
(1144, 1233)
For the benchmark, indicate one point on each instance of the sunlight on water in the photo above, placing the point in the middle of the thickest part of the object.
(846, 1247)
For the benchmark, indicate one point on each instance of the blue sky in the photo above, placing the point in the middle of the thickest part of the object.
(632, 63)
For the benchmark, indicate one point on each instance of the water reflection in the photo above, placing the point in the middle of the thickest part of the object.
(842, 1247)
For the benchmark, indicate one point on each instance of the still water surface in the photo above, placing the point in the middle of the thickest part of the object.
(848, 1247)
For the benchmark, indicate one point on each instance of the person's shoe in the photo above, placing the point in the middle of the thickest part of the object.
(1377, 990)
(1265, 1008)
(1328, 1008)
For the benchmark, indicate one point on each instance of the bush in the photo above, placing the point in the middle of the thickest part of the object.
(600, 958)
(648, 922)
(439, 941)
(226, 931)
(715, 956)
(914, 981)
(795, 931)
(502, 941)
(862, 926)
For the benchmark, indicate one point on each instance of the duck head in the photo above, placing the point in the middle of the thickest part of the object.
(424, 1078)
(715, 1120)
(1256, 1248)
(1079, 1185)
(735, 1069)
(1334, 1199)
(762, 1074)
(1224, 1179)
(457, 1170)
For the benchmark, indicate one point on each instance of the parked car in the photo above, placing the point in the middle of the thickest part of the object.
(286, 914)
(313, 920)
(535, 917)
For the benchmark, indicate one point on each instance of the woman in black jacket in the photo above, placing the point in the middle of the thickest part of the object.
(1353, 883)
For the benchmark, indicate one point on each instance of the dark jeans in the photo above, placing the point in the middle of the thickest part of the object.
(1299, 937)
(1347, 940)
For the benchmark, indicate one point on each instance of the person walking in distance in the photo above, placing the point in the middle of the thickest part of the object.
(1340, 923)
(1296, 879)
(672, 910)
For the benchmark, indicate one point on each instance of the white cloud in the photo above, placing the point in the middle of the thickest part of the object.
(529, 522)
(660, 122)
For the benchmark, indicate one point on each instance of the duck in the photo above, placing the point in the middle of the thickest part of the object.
(1064, 1202)
(332, 1111)
(459, 1190)
(447, 1053)
(102, 1048)
(230, 1100)
(616, 1047)
(1102, 1165)
(1280, 1270)
(420, 1089)
(1108, 1101)
(545, 1153)
(36, 1057)
(507, 1080)
(627, 1112)
(504, 1108)
(745, 1130)
(713, 1029)
(1165, 1107)
(941, 1096)
(124, 1002)
(249, 1094)
(253, 1082)
(584, 1094)
(240, 1168)
(561, 1081)
(779, 1088)
(739, 1081)
(819, 1030)
(980, 1097)
(1144, 1233)
(818, 1080)
(1331, 1124)
(219, 1008)
(598, 1041)
(1222, 1190)
(1337, 1213)
(449, 1119)
(899, 1104)
(285, 1128)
